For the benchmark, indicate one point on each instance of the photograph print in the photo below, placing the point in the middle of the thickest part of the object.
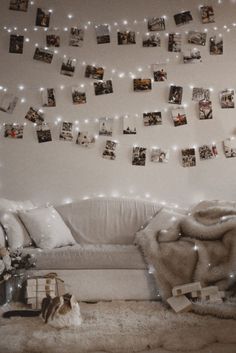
(183, 18)
(207, 14)
(197, 38)
(152, 118)
(216, 45)
(84, 139)
(68, 67)
(14, 131)
(227, 98)
(192, 56)
(102, 34)
(229, 145)
(126, 37)
(105, 126)
(103, 87)
(35, 116)
(151, 40)
(139, 156)
(205, 110)
(66, 133)
(44, 55)
(158, 155)
(179, 117)
(43, 133)
(49, 97)
(53, 40)
(207, 152)
(175, 95)
(110, 150)
(188, 157)
(129, 125)
(76, 37)
(16, 44)
(156, 24)
(42, 18)
(78, 97)
(142, 84)
(8, 103)
(200, 94)
(19, 5)
(94, 72)
(174, 42)
(159, 73)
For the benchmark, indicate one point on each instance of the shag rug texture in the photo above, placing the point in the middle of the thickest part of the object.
(121, 327)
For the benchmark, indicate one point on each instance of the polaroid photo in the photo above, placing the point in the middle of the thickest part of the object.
(103, 87)
(68, 67)
(159, 73)
(183, 18)
(126, 37)
(49, 97)
(35, 116)
(105, 126)
(44, 55)
(197, 38)
(19, 5)
(188, 157)
(174, 42)
(102, 34)
(156, 24)
(152, 118)
(142, 84)
(200, 94)
(216, 45)
(229, 146)
(8, 103)
(175, 95)
(42, 18)
(66, 133)
(43, 133)
(16, 44)
(53, 40)
(159, 155)
(179, 116)
(205, 109)
(207, 152)
(227, 98)
(85, 139)
(94, 72)
(14, 131)
(192, 56)
(110, 150)
(78, 97)
(129, 125)
(139, 156)
(76, 37)
(207, 14)
(151, 40)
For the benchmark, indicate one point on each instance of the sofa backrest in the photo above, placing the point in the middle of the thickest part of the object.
(107, 221)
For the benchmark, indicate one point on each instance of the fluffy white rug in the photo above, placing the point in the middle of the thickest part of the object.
(121, 327)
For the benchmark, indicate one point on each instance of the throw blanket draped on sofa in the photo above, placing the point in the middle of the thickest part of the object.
(200, 247)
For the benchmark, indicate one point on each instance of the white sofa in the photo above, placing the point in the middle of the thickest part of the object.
(104, 264)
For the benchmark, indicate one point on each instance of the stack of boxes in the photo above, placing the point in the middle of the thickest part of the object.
(37, 289)
(184, 295)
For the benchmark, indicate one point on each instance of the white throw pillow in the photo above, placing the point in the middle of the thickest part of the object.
(17, 235)
(165, 220)
(47, 228)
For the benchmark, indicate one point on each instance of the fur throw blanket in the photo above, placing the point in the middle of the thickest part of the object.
(199, 247)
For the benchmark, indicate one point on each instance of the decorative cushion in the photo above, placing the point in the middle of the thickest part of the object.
(2, 237)
(46, 228)
(16, 233)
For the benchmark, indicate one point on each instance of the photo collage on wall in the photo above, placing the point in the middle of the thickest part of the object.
(110, 150)
(103, 34)
(78, 97)
(229, 147)
(126, 37)
(105, 126)
(151, 40)
(66, 133)
(42, 18)
(14, 131)
(68, 67)
(152, 118)
(189, 157)
(16, 44)
(142, 84)
(53, 40)
(8, 103)
(174, 43)
(49, 97)
(207, 14)
(183, 18)
(103, 87)
(139, 156)
(35, 116)
(179, 116)
(84, 139)
(43, 132)
(227, 98)
(156, 24)
(197, 38)
(192, 56)
(158, 155)
(207, 152)
(19, 5)
(175, 94)
(216, 45)
(76, 37)
(44, 55)
(159, 72)
(94, 72)
(129, 125)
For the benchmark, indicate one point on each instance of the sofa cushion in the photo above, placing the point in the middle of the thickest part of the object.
(88, 256)
(106, 221)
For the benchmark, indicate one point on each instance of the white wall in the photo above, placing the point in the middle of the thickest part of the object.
(58, 171)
